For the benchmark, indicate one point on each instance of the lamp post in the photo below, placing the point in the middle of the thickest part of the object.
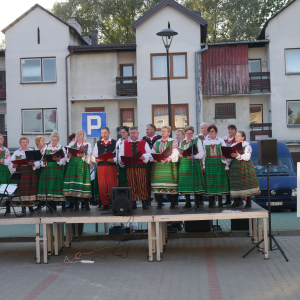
(167, 37)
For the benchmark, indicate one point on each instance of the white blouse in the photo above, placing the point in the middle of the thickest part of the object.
(6, 158)
(175, 154)
(201, 152)
(62, 161)
(216, 141)
(86, 158)
(21, 153)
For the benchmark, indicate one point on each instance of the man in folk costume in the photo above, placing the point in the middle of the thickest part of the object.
(106, 171)
(165, 173)
(204, 133)
(151, 137)
(229, 141)
(136, 175)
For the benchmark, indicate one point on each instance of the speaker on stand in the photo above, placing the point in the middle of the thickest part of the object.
(268, 156)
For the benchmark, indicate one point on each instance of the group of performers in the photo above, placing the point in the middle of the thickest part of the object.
(207, 173)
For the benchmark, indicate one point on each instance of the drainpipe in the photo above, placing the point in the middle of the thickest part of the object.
(67, 93)
(198, 107)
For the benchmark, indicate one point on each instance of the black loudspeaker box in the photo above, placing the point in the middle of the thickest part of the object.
(198, 226)
(267, 152)
(239, 224)
(121, 201)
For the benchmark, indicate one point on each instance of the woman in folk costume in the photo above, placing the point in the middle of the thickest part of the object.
(28, 183)
(164, 179)
(243, 179)
(4, 164)
(40, 144)
(52, 177)
(186, 178)
(204, 133)
(122, 171)
(216, 179)
(77, 179)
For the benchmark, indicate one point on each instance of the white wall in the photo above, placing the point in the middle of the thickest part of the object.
(155, 91)
(242, 120)
(127, 58)
(21, 42)
(283, 32)
(259, 53)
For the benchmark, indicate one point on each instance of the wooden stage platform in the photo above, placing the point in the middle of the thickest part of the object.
(57, 230)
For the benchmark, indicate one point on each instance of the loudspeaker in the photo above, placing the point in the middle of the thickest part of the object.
(197, 226)
(239, 224)
(121, 201)
(267, 152)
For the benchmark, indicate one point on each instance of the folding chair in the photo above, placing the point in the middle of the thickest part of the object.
(14, 179)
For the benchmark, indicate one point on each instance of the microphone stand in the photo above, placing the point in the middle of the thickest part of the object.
(195, 206)
(51, 209)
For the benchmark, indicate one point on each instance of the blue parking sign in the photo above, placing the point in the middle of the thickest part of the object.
(92, 122)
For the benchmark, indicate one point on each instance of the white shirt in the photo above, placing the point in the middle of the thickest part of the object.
(201, 152)
(21, 153)
(86, 158)
(247, 153)
(95, 151)
(62, 161)
(175, 154)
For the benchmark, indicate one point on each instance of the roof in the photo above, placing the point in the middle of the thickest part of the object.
(262, 33)
(251, 43)
(103, 48)
(194, 15)
(51, 14)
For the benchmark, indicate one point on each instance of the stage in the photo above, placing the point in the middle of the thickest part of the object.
(57, 230)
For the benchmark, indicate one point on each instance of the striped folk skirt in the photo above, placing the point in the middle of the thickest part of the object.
(216, 179)
(27, 187)
(4, 174)
(77, 179)
(243, 179)
(185, 178)
(122, 177)
(137, 180)
(38, 173)
(164, 179)
(55, 181)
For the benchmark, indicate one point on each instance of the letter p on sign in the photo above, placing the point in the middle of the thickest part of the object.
(92, 122)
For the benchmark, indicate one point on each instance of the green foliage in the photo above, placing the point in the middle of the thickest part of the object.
(112, 18)
(2, 44)
(235, 20)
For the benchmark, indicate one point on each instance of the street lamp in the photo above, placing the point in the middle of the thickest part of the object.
(167, 37)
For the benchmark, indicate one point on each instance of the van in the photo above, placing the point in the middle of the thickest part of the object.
(283, 180)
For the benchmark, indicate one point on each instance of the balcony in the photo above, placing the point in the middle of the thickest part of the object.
(260, 82)
(126, 86)
(260, 130)
(2, 90)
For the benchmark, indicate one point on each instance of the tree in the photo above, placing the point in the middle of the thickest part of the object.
(112, 18)
(234, 20)
(2, 44)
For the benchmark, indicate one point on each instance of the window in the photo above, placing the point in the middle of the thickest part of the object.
(178, 66)
(37, 70)
(256, 115)
(127, 117)
(225, 111)
(126, 70)
(180, 115)
(254, 66)
(292, 61)
(2, 85)
(94, 109)
(293, 113)
(39, 120)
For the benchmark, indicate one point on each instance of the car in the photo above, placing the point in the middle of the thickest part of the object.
(283, 180)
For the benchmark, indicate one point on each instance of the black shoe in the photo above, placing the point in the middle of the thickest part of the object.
(82, 204)
(87, 206)
(133, 205)
(145, 206)
(71, 205)
(220, 204)
(228, 200)
(7, 210)
(236, 202)
(173, 201)
(76, 206)
(30, 209)
(104, 207)
(159, 204)
(241, 201)
(63, 206)
(248, 202)
(211, 201)
(187, 202)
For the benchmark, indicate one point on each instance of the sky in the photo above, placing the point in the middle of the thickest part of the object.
(12, 9)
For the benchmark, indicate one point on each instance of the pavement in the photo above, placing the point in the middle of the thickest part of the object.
(208, 268)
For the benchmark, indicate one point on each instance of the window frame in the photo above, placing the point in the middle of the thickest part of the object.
(291, 125)
(121, 115)
(262, 111)
(126, 65)
(173, 114)
(226, 117)
(255, 59)
(43, 123)
(42, 76)
(94, 109)
(171, 66)
(285, 50)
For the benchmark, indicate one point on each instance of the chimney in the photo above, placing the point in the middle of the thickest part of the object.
(88, 39)
(75, 23)
(94, 34)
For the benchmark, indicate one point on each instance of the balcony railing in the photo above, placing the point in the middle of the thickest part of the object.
(126, 86)
(260, 82)
(260, 130)
(2, 90)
